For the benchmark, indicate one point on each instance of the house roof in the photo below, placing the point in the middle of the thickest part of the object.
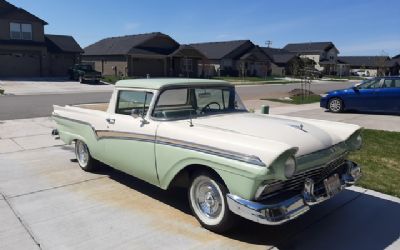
(7, 8)
(279, 56)
(394, 61)
(157, 83)
(218, 50)
(123, 45)
(366, 61)
(61, 43)
(309, 47)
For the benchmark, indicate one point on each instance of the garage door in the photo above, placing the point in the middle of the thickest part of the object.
(19, 64)
(142, 67)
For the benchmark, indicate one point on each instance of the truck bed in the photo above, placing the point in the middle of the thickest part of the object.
(95, 106)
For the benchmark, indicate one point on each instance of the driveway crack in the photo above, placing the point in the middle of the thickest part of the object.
(24, 225)
(56, 187)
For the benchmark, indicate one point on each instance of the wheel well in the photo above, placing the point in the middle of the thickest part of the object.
(183, 177)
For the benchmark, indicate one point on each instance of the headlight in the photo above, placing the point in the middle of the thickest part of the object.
(324, 95)
(290, 167)
(355, 141)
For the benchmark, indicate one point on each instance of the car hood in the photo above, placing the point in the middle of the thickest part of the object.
(266, 136)
(304, 135)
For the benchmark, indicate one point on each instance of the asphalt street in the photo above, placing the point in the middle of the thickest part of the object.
(29, 106)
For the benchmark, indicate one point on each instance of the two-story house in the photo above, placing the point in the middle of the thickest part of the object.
(25, 51)
(324, 54)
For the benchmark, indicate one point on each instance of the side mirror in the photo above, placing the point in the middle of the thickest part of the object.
(135, 113)
(355, 88)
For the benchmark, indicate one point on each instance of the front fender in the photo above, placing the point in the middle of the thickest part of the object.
(240, 178)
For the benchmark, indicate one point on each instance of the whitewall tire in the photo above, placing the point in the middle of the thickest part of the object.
(207, 198)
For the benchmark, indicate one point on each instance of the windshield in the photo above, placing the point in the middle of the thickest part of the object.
(85, 67)
(182, 103)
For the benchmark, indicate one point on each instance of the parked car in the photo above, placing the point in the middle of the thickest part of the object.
(84, 72)
(197, 134)
(379, 94)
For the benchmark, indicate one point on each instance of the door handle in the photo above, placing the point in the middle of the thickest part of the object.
(110, 121)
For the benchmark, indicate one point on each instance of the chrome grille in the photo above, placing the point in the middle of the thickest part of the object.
(297, 181)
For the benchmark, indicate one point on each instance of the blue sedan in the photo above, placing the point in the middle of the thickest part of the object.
(380, 94)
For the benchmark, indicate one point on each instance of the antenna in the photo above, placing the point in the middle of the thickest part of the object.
(268, 43)
(190, 119)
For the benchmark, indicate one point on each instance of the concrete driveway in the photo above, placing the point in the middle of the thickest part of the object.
(50, 86)
(47, 202)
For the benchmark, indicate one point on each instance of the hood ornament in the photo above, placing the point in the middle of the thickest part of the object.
(299, 127)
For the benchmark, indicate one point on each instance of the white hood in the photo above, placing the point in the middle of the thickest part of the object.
(265, 136)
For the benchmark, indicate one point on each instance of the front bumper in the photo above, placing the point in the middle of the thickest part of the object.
(291, 208)
(323, 103)
(92, 77)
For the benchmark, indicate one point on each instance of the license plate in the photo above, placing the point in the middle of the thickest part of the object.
(332, 185)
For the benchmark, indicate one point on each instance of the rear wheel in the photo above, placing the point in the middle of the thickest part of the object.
(207, 198)
(335, 105)
(85, 160)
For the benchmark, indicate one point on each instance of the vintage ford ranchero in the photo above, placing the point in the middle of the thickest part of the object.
(197, 134)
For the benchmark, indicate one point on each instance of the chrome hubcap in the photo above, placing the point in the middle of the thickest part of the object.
(335, 105)
(82, 154)
(208, 199)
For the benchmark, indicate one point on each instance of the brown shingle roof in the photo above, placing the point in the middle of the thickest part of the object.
(309, 47)
(62, 43)
(218, 50)
(366, 61)
(8, 8)
(123, 45)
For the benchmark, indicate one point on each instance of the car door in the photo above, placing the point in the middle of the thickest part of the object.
(129, 139)
(389, 95)
(364, 97)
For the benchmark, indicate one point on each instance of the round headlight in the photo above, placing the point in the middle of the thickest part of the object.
(358, 141)
(290, 167)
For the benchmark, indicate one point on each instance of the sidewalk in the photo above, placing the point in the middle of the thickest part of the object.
(50, 86)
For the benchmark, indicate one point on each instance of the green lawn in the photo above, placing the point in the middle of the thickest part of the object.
(380, 161)
(113, 79)
(298, 99)
(1, 91)
(344, 77)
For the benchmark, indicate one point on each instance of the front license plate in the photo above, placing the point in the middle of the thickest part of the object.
(332, 185)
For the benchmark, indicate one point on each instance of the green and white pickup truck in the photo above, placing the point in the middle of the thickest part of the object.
(197, 134)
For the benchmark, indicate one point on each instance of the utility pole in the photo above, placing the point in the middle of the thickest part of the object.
(268, 43)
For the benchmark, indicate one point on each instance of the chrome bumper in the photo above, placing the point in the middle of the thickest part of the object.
(289, 209)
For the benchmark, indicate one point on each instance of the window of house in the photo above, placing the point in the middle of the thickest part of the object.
(187, 65)
(21, 31)
(128, 100)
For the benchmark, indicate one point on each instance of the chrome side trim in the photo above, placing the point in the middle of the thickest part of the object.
(211, 150)
(77, 121)
(111, 134)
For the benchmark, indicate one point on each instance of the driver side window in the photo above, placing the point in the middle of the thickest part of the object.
(128, 100)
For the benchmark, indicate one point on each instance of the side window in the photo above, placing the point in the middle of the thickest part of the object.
(396, 83)
(128, 100)
(213, 99)
(388, 83)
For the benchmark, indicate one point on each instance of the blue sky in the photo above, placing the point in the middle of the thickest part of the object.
(356, 27)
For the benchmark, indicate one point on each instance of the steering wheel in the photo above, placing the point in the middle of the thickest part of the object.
(207, 107)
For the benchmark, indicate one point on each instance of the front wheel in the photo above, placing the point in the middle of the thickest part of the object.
(85, 160)
(335, 105)
(207, 198)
